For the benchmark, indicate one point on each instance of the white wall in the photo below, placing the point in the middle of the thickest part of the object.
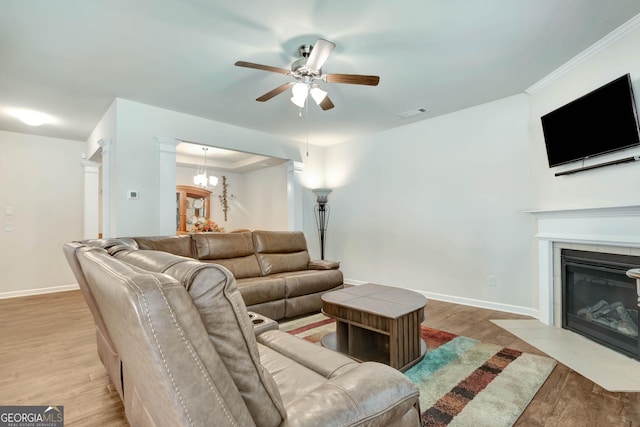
(607, 186)
(105, 129)
(437, 205)
(264, 199)
(42, 180)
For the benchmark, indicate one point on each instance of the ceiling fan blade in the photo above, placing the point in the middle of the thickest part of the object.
(326, 104)
(277, 91)
(353, 79)
(319, 54)
(261, 67)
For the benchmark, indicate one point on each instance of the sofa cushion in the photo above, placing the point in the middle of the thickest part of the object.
(310, 281)
(177, 245)
(256, 290)
(234, 251)
(272, 309)
(280, 251)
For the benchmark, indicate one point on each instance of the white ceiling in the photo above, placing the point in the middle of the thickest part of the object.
(71, 58)
(190, 155)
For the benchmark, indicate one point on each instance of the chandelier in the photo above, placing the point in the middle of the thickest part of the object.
(201, 179)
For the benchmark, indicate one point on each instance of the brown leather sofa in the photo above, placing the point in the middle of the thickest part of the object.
(273, 270)
(181, 350)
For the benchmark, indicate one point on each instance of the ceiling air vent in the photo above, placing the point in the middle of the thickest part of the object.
(411, 113)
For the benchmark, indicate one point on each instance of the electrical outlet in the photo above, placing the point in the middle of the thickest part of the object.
(8, 226)
(492, 281)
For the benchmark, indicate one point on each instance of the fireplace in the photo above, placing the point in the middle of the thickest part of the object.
(599, 301)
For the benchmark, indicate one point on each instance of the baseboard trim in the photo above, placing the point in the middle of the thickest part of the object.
(489, 305)
(40, 291)
(353, 282)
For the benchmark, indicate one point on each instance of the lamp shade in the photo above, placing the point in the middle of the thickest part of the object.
(322, 194)
(200, 179)
(318, 94)
(300, 90)
(299, 101)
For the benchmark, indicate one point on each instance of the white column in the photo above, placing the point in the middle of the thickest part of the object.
(107, 203)
(166, 185)
(91, 199)
(295, 196)
(545, 281)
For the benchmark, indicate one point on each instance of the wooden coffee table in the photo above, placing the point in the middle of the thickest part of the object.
(376, 323)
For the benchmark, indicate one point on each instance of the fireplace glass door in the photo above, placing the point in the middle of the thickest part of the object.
(599, 300)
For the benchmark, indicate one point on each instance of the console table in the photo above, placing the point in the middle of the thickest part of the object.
(376, 323)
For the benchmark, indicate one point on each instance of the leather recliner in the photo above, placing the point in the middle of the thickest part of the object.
(188, 354)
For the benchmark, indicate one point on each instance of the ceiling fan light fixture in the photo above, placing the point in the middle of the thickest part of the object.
(318, 94)
(299, 100)
(300, 90)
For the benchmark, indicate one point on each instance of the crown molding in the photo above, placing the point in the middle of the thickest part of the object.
(617, 34)
(602, 211)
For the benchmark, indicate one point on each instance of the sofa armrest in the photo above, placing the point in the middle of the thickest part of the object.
(319, 359)
(323, 265)
(262, 323)
(371, 394)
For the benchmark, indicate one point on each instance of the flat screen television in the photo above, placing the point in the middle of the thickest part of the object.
(599, 122)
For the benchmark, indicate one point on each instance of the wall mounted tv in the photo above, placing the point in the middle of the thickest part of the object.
(599, 122)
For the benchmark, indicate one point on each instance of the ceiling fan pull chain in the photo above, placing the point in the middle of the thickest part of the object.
(307, 123)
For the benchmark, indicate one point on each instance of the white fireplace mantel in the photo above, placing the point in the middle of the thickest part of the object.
(615, 226)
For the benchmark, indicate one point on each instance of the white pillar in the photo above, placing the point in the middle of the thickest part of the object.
(91, 199)
(107, 203)
(545, 282)
(295, 196)
(166, 185)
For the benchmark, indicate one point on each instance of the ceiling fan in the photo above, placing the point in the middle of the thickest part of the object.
(307, 71)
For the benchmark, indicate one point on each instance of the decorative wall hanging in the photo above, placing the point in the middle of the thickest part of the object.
(224, 197)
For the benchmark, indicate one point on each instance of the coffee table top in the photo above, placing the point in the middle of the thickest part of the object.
(385, 301)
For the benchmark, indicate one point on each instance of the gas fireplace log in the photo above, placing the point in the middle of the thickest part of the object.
(588, 312)
(613, 316)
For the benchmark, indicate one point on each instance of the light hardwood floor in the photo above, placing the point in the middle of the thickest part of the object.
(48, 357)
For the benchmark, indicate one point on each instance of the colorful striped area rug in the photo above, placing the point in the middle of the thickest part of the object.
(462, 381)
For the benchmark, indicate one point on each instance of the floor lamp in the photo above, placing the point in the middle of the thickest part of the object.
(322, 215)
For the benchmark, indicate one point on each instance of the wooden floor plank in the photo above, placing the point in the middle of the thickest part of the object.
(48, 356)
